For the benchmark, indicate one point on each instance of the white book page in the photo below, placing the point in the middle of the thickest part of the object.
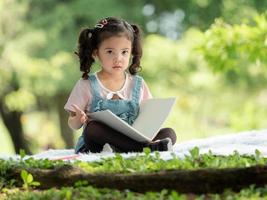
(152, 114)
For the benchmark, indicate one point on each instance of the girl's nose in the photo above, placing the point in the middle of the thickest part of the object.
(118, 58)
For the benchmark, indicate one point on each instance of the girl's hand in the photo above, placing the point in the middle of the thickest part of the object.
(80, 114)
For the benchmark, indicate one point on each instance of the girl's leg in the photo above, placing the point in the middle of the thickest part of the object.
(96, 134)
(166, 133)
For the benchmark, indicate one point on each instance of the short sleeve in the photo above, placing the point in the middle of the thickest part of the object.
(80, 95)
(145, 92)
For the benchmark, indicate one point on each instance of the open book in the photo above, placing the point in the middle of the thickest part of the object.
(152, 114)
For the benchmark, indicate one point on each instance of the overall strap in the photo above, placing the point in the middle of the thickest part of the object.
(137, 88)
(94, 86)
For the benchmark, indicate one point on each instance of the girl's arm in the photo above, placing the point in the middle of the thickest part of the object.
(79, 99)
(77, 118)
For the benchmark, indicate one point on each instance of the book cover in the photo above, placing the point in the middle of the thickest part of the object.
(152, 114)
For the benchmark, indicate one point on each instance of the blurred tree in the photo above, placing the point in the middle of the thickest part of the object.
(171, 17)
(239, 51)
(10, 90)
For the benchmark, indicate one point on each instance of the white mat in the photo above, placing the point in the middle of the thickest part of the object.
(245, 143)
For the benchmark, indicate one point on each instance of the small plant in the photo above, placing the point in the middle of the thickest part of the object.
(22, 153)
(28, 180)
(81, 183)
(194, 153)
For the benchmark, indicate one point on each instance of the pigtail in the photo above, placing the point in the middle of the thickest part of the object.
(85, 51)
(136, 51)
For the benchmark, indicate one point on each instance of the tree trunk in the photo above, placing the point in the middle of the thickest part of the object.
(183, 181)
(65, 131)
(13, 124)
(12, 119)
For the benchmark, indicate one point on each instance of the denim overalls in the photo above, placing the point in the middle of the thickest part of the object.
(127, 110)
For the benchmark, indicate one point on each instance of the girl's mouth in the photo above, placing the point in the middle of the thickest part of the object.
(117, 67)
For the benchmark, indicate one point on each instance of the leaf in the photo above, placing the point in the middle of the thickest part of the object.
(147, 151)
(194, 152)
(35, 183)
(29, 178)
(24, 175)
(22, 153)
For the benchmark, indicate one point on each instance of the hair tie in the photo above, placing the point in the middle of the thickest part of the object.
(102, 23)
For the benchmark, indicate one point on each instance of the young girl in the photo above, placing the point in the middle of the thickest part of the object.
(116, 45)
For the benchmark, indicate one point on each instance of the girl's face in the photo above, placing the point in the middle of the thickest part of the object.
(114, 54)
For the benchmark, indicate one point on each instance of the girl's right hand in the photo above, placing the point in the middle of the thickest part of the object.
(80, 114)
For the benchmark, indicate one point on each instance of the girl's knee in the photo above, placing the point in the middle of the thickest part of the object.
(169, 132)
(172, 135)
(166, 132)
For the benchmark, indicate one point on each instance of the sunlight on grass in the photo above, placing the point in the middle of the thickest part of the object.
(43, 129)
(6, 146)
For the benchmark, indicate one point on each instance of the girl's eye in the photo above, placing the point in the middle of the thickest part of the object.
(109, 52)
(125, 52)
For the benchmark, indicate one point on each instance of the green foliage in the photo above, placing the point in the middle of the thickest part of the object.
(208, 103)
(43, 164)
(84, 193)
(170, 17)
(239, 51)
(26, 99)
(22, 153)
(6, 167)
(145, 162)
(141, 163)
(152, 162)
(248, 115)
(81, 183)
(169, 64)
(194, 153)
(28, 180)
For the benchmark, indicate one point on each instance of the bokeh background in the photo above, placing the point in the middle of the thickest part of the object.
(211, 54)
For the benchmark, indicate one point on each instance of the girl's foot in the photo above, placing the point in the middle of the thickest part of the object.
(108, 148)
(160, 145)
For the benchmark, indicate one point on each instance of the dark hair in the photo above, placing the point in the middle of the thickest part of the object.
(91, 38)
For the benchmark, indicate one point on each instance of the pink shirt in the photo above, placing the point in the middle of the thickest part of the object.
(82, 97)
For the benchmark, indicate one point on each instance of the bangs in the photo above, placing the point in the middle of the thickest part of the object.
(112, 32)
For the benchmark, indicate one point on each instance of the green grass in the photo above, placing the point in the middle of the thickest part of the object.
(88, 192)
(143, 163)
